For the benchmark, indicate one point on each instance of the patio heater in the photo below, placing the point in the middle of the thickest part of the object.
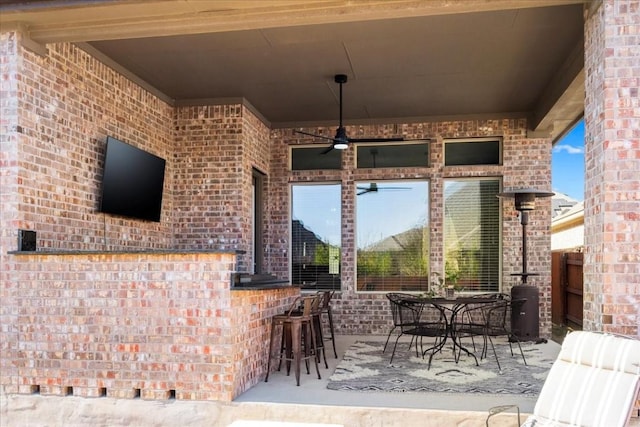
(525, 323)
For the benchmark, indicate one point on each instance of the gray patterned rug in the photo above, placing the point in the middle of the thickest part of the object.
(365, 368)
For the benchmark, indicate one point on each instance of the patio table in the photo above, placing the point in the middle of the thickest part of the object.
(453, 306)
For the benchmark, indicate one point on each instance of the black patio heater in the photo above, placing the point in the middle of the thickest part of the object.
(525, 323)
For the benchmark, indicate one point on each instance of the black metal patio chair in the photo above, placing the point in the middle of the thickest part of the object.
(418, 319)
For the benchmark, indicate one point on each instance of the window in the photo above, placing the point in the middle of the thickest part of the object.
(479, 151)
(257, 221)
(315, 236)
(392, 235)
(311, 158)
(392, 156)
(472, 234)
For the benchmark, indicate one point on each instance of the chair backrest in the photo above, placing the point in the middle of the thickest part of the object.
(497, 314)
(593, 382)
(404, 308)
(496, 317)
(304, 305)
(326, 299)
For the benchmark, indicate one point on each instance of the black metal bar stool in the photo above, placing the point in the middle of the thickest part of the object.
(316, 314)
(296, 326)
(326, 308)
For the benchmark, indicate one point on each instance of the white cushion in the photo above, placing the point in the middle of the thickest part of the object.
(594, 382)
(256, 423)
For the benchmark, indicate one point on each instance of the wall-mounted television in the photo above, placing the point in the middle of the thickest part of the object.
(132, 181)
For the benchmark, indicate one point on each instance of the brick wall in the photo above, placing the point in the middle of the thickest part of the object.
(251, 336)
(144, 325)
(208, 198)
(612, 162)
(121, 325)
(65, 105)
(59, 110)
(113, 324)
(526, 164)
(216, 149)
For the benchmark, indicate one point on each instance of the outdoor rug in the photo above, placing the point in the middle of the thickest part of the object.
(365, 368)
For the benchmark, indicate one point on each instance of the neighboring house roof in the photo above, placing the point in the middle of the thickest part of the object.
(567, 228)
(561, 202)
(568, 218)
(400, 241)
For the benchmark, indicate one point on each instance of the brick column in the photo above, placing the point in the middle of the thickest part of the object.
(612, 167)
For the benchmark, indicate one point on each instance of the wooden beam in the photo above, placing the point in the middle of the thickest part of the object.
(79, 21)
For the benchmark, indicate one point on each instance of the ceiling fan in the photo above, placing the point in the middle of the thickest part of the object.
(341, 140)
(373, 187)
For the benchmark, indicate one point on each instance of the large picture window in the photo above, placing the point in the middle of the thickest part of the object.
(315, 236)
(472, 234)
(392, 236)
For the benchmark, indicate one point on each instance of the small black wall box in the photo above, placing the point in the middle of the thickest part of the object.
(26, 240)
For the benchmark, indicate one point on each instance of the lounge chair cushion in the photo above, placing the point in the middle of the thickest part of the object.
(594, 382)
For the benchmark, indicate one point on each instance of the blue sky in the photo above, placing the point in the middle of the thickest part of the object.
(567, 164)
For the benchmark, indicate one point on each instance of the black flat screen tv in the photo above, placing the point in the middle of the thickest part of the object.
(132, 182)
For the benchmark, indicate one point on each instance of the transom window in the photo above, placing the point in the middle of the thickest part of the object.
(472, 238)
(313, 158)
(392, 235)
(315, 236)
(477, 151)
(392, 155)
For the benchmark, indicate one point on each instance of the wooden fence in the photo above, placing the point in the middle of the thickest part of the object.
(566, 289)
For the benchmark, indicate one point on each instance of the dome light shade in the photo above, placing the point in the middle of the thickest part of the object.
(340, 145)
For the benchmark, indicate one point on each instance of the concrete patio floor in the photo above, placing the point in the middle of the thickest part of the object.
(279, 400)
(282, 389)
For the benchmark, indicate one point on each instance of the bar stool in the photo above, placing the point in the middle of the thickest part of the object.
(326, 308)
(296, 325)
(316, 314)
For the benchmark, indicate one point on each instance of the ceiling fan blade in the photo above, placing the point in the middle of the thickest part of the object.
(375, 139)
(390, 139)
(329, 148)
(328, 138)
(364, 191)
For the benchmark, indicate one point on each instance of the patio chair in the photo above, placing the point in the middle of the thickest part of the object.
(396, 314)
(472, 321)
(417, 319)
(594, 382)
(497, 316)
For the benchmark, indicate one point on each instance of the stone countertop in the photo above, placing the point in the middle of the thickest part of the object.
(264, 286)
(123, 252)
